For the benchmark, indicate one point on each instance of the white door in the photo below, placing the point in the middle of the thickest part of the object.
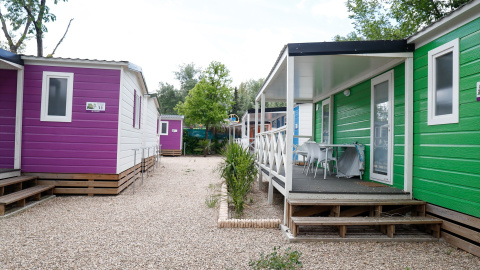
(381, 129)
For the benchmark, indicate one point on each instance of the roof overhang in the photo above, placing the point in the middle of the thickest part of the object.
(9, 60)
(464, 14)
(325, 68)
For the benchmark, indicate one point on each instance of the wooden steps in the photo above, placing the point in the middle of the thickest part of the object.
(380, 214)
(16, 191)
(387, 223)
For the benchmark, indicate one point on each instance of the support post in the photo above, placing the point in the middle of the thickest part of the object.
(408, 157)
(290, 129)
(260, 176)
(134, 168)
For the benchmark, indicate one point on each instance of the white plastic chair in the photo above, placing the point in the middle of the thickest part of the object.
(308, 146)
(300, 150)
(318, 155)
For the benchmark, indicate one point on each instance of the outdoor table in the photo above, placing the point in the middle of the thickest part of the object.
(327, 146)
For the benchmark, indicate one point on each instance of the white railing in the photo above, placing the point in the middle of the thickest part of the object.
(242, 141)
(270, 147)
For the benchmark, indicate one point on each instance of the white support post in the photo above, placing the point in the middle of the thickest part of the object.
(408, 158)
(262, 114)
(18, 121)
(260, 175)
(290, 131)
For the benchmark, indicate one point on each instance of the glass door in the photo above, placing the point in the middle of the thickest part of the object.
(381, 133)
(326, 121)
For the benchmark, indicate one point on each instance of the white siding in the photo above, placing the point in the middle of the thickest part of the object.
(130, 137)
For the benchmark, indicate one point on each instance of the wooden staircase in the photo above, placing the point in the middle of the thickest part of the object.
(17, 191)
(382, 215)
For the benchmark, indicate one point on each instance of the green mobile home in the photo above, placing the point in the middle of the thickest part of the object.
(414, 104)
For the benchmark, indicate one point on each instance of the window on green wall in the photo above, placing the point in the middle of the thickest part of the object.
(326, 121)
(443, 70)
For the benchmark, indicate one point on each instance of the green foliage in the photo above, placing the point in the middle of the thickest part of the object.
(204, 145)
(30, 16)
(394, 19)
(213, 197)
(209, 102)
(188, 76)
(276, 260)
(239, 171)
(190, 142)
(168, 97)
(246, 95)
(218, 145)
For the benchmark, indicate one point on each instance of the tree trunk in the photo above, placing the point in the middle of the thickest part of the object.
(206, 139)
(39, 44)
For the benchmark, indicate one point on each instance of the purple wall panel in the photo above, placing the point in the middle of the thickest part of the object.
(172, 140)
(86, 145)
(8, 99)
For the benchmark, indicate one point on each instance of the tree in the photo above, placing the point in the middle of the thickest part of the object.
(17, 18)
(168, 97)
(188, 76)
(247, 91)
(33, 14)
(394, 19)
(209, 102)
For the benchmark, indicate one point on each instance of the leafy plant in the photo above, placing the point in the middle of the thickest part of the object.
(276, 260)
(190, 142)
(213, 197)
(239, 171)
(204, 145)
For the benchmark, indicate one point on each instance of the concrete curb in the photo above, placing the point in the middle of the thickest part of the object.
(225, 222)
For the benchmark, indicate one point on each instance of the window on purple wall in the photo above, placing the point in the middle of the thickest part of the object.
(164, 128)
(57, 95)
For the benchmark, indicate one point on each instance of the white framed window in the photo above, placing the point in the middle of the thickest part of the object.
(57, 96)
(137, 110)
(443, 84)
(163, 128)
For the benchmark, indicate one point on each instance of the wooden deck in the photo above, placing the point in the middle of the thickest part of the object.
(310, 187)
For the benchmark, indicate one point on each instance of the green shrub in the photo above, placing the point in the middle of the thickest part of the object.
(275, 260)
(191, 142)
(239, 171)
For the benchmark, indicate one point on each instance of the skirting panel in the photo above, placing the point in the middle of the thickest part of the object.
(94, 184)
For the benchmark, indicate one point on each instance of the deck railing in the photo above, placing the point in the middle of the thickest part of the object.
(270, 147)
(155, 150)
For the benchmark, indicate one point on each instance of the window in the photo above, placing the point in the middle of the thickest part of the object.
(57, 95)
(163, 128)
(326, 121)
(443, 69)
(137, 109)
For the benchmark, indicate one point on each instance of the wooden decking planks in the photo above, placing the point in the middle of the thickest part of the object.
(171, 152)
(95, 184)
(458, 229)
(20, 197)
(343, 222)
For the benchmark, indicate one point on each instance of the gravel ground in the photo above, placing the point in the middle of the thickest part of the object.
(166, 225)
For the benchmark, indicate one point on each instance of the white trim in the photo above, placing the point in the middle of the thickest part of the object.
(45, 92)
(290, 124)
(81, 63)
(450, 47)
(15, 66)
(325, 102)
(389, 55)
(272, 75)
(408, 152)
(388, 76)
(119, 123)
(17, 160)
(181, 134)
(359, 79)
(162, 122)
(458, 18)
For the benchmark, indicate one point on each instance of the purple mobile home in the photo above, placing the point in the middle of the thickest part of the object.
(171, 134)
(79, 125)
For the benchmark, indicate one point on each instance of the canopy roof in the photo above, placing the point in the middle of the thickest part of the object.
(324, 68)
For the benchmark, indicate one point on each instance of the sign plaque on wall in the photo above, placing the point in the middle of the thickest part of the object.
(174, 130)
(96, 106)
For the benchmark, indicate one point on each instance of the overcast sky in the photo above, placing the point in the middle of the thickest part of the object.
(160, 35)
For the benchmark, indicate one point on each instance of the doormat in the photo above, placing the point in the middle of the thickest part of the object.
(371, 184)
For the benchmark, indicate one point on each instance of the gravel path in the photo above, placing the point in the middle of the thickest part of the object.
(166, 225)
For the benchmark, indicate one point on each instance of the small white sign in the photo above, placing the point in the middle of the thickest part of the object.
(478, 91)
(174, 130)
(95, 106)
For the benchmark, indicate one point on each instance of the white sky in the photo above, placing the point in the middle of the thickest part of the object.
(160, 35)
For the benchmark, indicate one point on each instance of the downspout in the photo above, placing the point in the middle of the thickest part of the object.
(408, 158)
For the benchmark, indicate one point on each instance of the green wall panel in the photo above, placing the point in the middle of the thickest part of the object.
(446, 164)
(351, 121)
